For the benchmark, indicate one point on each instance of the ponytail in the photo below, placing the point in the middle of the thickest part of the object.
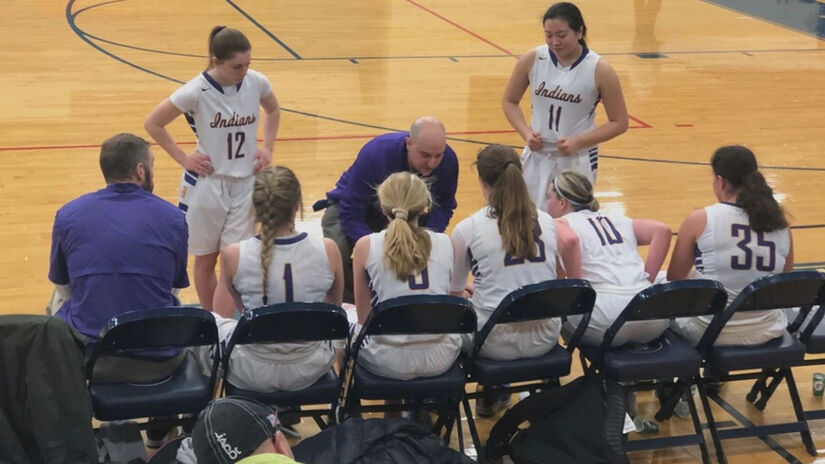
(404, 197)
(499, 168)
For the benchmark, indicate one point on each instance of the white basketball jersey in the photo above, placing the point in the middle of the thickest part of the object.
(732, 253)
(610, 256)
(434, 280)
(299, 271)
(225, 119)
(563, 98)
(495, 274)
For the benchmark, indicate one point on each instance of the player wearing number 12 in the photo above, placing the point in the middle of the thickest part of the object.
(736, 241)
(566, 81)
(222, 105)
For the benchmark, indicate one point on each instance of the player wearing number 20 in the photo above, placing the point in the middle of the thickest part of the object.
(566, 82)
(279, 266)
(508, 244)
(222, 105)
(743, 237)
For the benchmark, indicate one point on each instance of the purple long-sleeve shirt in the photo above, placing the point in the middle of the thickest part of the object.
(380, 157)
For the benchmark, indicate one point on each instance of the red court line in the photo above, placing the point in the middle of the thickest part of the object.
(642, 124)
(683, 125)
(452, 23)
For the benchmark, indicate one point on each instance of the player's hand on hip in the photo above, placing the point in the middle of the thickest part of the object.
(567, 146)
(534, 141)
(262, 159)
(199, 163)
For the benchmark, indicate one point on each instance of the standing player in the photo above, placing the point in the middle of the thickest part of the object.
(280, 266)
(610, 258)
(566, 82)
(736, 241)
(404, 259)
(222, 106)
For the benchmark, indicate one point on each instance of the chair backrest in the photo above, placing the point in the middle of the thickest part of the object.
(147, 329)
(419, 315)
(683, 298)
(777, 291)
(544, 300)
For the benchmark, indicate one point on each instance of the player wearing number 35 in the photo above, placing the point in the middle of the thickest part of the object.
(566, 81)
(222, 105)
(610, 258)
(743, 237)
(279, 266)
(508, 244)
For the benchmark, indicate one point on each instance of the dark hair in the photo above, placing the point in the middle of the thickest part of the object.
(737, 165)
(225, 42)
(500, 168)
(571, 14)
(120, 155)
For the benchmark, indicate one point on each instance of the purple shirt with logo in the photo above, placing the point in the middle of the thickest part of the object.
(380, 157)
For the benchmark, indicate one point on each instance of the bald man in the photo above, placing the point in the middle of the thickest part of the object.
(353, 210)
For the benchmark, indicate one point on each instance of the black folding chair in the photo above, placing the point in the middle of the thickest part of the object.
(545, 300)
(773, 359)
(292, 323)
(186, 391)
(412, 315)
(657, 364)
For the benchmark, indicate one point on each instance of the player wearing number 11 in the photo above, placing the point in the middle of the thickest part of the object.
(736, 241)
(566, 81)
(222, 105)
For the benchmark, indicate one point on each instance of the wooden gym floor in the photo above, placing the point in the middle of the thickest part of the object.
(696, 75)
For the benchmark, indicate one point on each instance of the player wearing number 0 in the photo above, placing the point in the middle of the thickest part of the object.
(279, 266)
(610, 258)
(222, 104)
(404, 259)
(508, 244)
(566, 81)
(743, 237)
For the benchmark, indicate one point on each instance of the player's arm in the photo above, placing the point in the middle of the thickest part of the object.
(360, 287)
(516, 86)
(789, 259)
(155, 126)
(461, 264)
(657, 235)
(683, 257)
(610, 90)
(567, 244)
(226, 297)
(272, 118)
(335, 294)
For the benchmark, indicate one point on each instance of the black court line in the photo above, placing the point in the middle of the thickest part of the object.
(71, 17)
(772, 444)
(265, 30)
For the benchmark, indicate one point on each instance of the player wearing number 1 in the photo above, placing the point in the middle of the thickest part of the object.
(610, 258)
(404, 259)
(566, 81)
(222, 105)
(279, 266)
(743, 237)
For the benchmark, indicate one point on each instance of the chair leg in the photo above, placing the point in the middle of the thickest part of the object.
(697, 426)
(762, 391)
(471, 423)
(458, 427)
(800, 413)
(714, 435)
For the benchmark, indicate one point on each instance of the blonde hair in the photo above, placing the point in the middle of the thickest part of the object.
(404, 197)
(275, 198)
(499, 168)
(576, 189)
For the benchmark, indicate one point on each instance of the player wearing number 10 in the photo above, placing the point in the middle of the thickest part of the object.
(610, 258)
(222, 105)
(743, 237)
(279, 266)
(566, 81)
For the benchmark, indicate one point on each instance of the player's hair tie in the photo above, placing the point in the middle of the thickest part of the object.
(400, 213)
(514, 163)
